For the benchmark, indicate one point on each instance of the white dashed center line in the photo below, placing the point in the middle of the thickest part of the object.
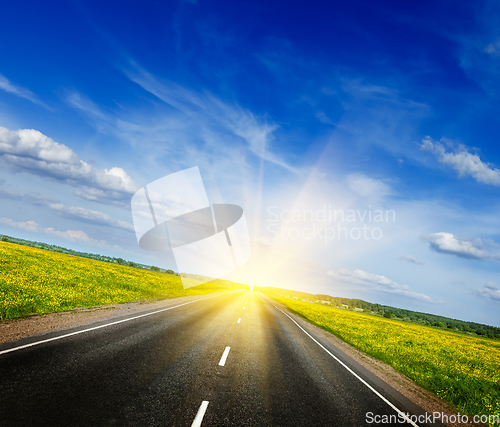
(201, 413)
(239, 320)
(224, 356)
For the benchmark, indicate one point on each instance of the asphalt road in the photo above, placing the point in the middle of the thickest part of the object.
(228, 360)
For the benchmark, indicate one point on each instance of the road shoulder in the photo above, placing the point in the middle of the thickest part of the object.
(15, 329)
(423, 398)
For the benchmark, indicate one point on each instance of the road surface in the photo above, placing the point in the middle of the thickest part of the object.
(227, 360)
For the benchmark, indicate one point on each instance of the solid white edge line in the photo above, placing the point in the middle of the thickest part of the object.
(239, 320)
(9, 350)
(351, 371)
(222, 361)
(200, 414)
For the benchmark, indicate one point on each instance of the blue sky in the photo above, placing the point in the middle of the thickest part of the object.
(288, 109)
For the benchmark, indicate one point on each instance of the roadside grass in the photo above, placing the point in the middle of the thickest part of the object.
(37, 281)
(461, 369)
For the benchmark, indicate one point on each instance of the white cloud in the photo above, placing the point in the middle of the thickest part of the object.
(72, 235)
(28, 225)
(463, 162)
(375, 282)
(412, 259)
(7, 86)
(33, 152)
(489, 290)
(447, 243)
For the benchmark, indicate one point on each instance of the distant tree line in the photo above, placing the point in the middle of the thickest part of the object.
(393, 312)
(54, 248)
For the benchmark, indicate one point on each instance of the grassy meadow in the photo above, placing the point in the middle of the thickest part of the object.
(37, 281)
(461, 369)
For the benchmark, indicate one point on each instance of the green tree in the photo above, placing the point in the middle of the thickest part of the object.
(5, 239)
(153, 268)
(387, 314)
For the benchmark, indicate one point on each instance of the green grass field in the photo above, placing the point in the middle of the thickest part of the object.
(39, 281)
(461, 369)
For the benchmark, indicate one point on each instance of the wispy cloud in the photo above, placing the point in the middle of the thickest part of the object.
(447, 243)
(72, 235)
(479, 52)
(214, 115)
(489, 290)
(413, 260)
(493, 48)
(72, 212)
(88, 215)
(32, 198)
(392, 124)
(323, 118)
(364, 91)
(375, 282)
(463, 162)
(8, 86)
(165, 139)
(81, 102)
(31, 151)
(368, 187)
